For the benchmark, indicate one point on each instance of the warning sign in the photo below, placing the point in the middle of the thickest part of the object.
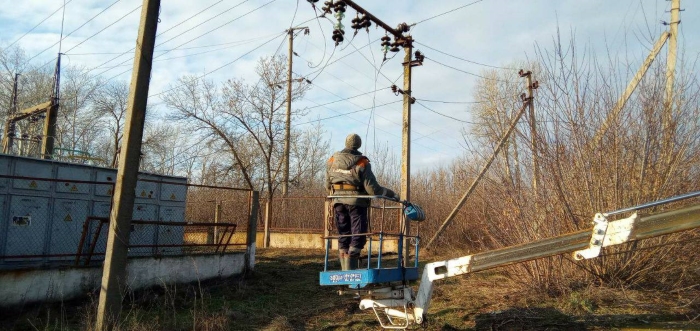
(32, 184)
(21, 220)
(74, 188)
(172, 196)
(68, 218)
(143, 194)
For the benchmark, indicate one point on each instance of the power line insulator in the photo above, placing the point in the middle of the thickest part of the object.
(312, 1)
(355, 23)
(339, 6)
(419, 56)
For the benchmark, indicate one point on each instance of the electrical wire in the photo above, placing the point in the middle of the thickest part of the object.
(441, 114)
(462, 102)
(37, 25)
(432, 148)
(463, 59)
(344, 99)
(467, 72)
(447, 12)
(161, 33)
(105, 28)
(210, 31)
(224, 65)
(342, 114)
(78, 28)
(220, 26)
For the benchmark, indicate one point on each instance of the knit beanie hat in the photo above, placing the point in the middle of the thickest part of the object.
(353, 141)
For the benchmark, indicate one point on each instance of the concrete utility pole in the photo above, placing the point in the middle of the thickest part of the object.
(615, 112)
(667, 116)
(481, 174)
(406, 146)
(288, 118)
(114, 280)
(533, 134)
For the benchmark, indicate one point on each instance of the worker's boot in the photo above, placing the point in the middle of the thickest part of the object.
(354, 258)
(344, 259)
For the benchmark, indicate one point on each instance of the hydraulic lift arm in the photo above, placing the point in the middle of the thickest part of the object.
(412, 307)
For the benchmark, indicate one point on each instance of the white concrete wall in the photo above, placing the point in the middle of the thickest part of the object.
(45, 285)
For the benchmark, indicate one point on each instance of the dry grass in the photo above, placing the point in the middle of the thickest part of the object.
(283, 294)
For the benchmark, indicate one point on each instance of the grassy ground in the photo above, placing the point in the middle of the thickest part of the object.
(283, 294)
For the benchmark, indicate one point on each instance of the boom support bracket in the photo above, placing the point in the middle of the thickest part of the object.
(607, 233)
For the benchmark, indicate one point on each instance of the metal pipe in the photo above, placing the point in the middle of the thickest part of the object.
(654, 203)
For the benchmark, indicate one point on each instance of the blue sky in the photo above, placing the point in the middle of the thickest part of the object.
(226, 39)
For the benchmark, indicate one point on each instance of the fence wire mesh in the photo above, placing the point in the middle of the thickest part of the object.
(65, 221)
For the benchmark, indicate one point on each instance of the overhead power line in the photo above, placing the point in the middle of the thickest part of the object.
(37, 25)
(78, 28)
(200, 36)
(161, 33)
(467, 72)
(461, 102)
(463, 59)
(105, 28)
(223, 66)
(344, 114)
(344, 99)
(443, 115)
(447, 12)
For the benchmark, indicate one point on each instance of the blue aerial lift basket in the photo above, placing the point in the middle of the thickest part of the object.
(370, 273)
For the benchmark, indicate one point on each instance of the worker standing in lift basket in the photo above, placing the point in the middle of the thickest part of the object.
(349, 173)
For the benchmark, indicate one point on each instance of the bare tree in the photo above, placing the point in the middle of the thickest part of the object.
(248, 119)
(110, 102)
(78, 123)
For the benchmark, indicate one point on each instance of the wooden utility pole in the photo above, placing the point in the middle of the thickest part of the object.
(114, 280)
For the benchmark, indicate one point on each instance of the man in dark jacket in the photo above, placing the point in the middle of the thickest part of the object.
(349, 173)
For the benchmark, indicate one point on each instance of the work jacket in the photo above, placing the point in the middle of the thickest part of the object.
(349, 173)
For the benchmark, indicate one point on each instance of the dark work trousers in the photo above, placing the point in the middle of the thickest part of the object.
(350, 220)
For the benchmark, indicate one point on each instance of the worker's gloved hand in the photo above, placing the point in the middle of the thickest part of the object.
(391, 194)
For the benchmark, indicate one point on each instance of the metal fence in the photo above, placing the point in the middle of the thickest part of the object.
(64, 221)
(173, 238)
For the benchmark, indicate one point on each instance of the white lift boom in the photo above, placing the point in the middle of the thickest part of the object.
(398, 307)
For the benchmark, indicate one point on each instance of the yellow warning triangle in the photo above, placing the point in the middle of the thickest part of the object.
(32, 184)
(74, 188)
(172, 196)
(68, 218)
(143, 194)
